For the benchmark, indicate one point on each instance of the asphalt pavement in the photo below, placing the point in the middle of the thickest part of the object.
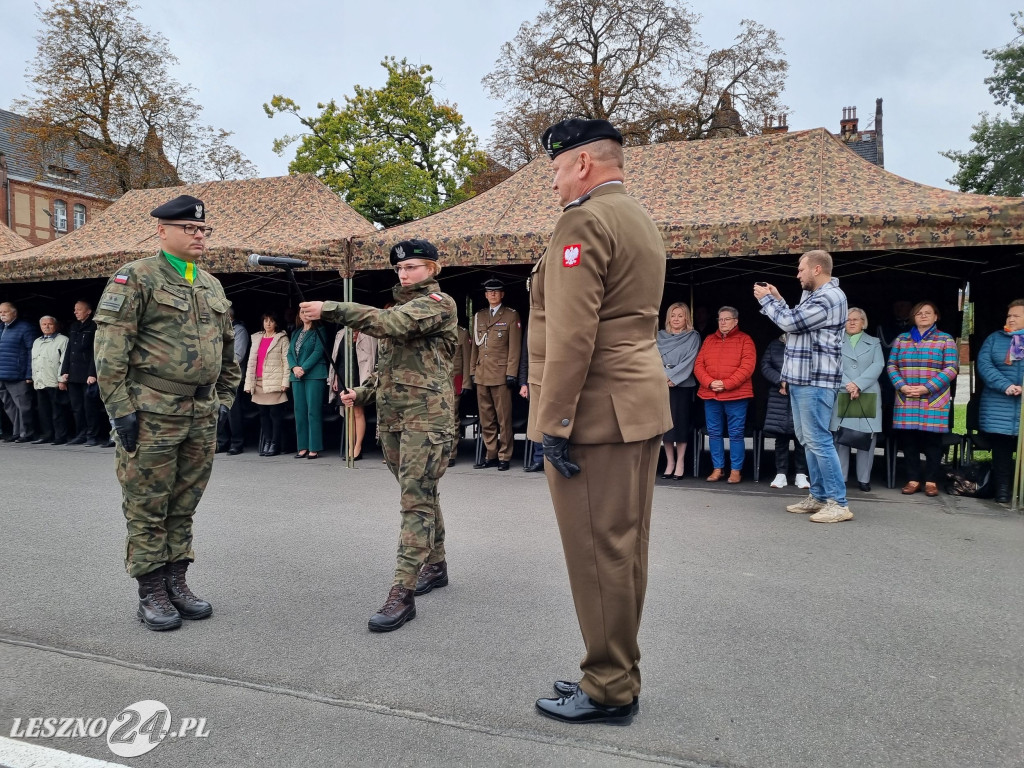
(896, 639)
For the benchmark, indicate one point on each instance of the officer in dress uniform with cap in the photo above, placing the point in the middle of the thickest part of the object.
(496, 336)
(166, 369)
(599, 404)
(412, 388)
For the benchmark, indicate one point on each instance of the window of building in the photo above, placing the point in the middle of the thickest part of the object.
(60, 215)
(79, 215)
(59, 172)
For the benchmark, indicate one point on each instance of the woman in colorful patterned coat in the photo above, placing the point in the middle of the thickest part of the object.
(1001, 368)
(922, 366)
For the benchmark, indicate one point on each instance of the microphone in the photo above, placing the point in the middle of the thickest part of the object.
(281, 262)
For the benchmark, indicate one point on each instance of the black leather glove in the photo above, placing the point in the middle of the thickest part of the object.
(127, 428)
(556, 450)
(511, 381)
(224, 411)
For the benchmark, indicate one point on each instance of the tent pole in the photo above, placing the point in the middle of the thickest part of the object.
(1017, 495)
(350, 424)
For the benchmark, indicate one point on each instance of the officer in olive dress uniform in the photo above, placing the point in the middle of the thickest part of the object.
(496, 334)
(165, 364)
(412, 388)
(598, 402)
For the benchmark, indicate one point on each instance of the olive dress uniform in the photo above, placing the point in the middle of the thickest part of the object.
(463, 375)
(496, 341)
(596, 377)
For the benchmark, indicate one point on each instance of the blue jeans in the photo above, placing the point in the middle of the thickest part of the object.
(718, 415)
(812, 412)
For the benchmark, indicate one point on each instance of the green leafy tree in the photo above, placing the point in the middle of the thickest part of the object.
(104, 92)
(395, 154)
(639, 64)
(995, 164)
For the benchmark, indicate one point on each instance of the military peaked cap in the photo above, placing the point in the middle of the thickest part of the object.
(412, 249)
(183, 208)
(493, 284)
(576, 132)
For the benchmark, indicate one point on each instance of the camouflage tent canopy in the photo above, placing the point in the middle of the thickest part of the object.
(753, 196)
(283, 216)
(11, 241)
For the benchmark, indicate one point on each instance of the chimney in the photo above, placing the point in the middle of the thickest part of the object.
(878, 132)
(775, 124)
(848, 125)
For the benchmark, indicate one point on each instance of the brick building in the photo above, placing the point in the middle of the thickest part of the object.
(42, 200)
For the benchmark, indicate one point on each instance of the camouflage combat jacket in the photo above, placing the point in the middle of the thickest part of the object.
(151, 320)
(412, 383)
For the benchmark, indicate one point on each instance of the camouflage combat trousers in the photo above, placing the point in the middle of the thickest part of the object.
(161, 485)
(418, 460)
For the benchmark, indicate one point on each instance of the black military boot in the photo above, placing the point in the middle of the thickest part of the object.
(1002, 475)
(399, 608)
(188, 605)
(155, 609)
(432, 575)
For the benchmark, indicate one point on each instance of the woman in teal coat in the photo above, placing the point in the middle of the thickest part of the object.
(307, 358)
(1001, 368)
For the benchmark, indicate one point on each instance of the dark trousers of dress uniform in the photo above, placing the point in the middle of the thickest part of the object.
(458, 427)
(418, 461)
(231, 431)
(495, 404)
(604, 517)
(52, 423)
(90, 415)
(162, 484)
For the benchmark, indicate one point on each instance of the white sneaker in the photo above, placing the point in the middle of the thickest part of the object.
(779, 481)
(832, 513)
(802, 482)
(810, 504)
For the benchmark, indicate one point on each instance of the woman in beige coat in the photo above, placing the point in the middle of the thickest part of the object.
(366, 361)
(267, 380)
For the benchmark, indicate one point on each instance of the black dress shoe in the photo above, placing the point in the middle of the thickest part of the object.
(273, 450)
(312, 455)
(9, 438)
(221, 449)
(109, 444)
(234, 451)
(92, 442)
(568, 688)
(537, 466)
(24, 439)
(486, 464)
(77, 440)
(504, 466)
(667, 476)
(301, 454)
(864, 486)
(41, 440)
(59, 442)
(580, 708)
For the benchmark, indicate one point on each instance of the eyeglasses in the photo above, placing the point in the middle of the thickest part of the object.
(191, 229)
(727, 319)
(400, 268)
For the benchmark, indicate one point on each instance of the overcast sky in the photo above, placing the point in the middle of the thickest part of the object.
(923, 58)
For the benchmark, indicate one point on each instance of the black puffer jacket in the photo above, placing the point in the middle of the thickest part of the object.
(778, 417)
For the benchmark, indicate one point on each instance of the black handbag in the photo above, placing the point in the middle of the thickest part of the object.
(853, 438)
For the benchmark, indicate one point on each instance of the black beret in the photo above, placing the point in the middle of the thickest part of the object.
(493, 284)
(576, 132)
(185, 208)
(413, 249)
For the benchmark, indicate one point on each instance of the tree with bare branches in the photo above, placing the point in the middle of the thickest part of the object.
(639, 64)
(104, 92)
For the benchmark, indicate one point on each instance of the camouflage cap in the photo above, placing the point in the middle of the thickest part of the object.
(182, 208)
(576, 132)
(413, 249)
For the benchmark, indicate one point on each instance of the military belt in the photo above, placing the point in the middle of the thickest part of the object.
(170, 387)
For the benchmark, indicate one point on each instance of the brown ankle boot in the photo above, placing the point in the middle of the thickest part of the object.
(187, 604)
(432, 576)
(155, 609)
(734, 476)
(715, 476)
(399, 608)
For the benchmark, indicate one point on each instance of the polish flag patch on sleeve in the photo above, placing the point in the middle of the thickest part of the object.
(435, 296)
(121, 279)
(571, 255)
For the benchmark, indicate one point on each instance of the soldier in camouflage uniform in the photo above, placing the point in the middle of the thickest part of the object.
(412, 387)
(165, 367)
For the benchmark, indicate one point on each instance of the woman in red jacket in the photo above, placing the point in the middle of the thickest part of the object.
(724, 367)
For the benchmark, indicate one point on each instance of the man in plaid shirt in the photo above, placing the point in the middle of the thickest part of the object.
(812, 371)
